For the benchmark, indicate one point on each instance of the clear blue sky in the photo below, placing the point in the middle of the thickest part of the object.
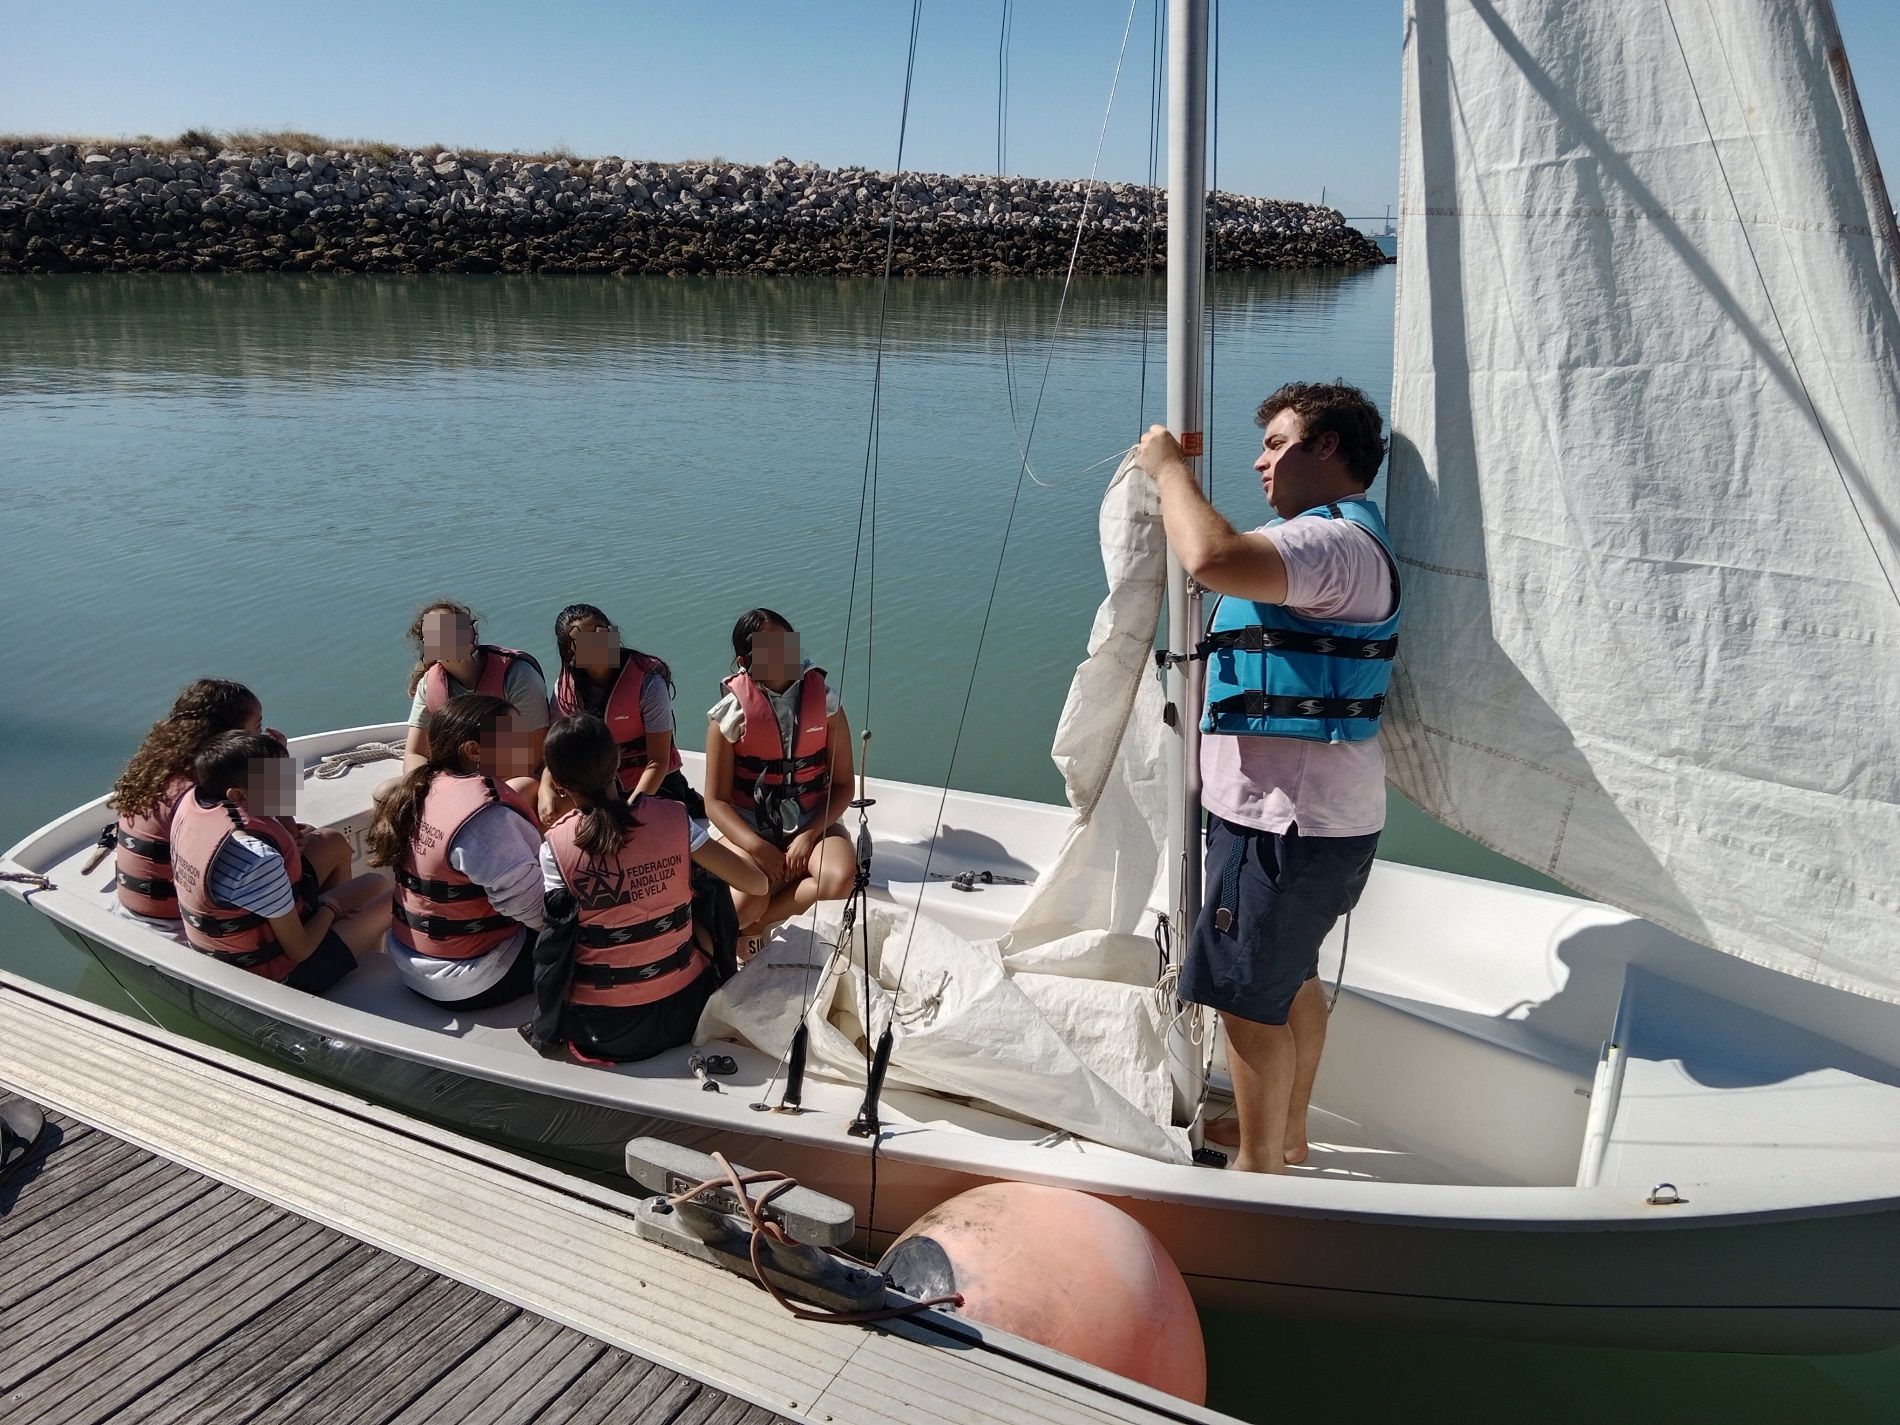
(1309, 91)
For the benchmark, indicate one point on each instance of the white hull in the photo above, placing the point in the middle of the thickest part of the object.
(1456, 1094)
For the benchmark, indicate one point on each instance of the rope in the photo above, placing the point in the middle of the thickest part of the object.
(1211, 222)
(764, 1230)
(1009, 521)
(873, 443)
(1155, 61)
(334, 765)
(28, 878)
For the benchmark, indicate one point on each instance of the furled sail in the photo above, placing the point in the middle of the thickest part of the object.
(1646, 467)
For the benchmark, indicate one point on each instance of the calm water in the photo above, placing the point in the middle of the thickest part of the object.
(261, 478)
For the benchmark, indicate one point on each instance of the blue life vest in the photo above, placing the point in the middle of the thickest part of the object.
(1271, 673)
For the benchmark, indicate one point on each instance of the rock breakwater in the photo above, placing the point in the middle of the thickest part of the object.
(68, 207)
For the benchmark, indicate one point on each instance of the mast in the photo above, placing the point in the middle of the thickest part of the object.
(1187, 275)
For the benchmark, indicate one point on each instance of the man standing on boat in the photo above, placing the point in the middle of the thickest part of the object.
(1298, 655)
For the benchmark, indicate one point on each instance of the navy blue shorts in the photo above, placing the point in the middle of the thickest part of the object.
(1269, 901)
(323, 966)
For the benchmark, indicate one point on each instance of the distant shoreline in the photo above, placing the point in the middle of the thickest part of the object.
(73, 206)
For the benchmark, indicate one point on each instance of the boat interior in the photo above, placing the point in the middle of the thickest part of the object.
(1482, 1034)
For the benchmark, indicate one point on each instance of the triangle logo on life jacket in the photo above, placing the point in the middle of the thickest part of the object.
(599, 883)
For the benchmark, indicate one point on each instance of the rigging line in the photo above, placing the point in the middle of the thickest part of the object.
(1024, 442)
(1212, 224)
(1794, 362)
(1009, 521)
(1155, 61)
(867, 490)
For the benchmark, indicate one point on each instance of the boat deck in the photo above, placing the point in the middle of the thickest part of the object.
(225, 1241)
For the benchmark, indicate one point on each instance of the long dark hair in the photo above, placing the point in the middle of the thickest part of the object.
(584, 760)
(750, 622)
(423, 661)
(564, 625)
(466, 717)
(201, 711)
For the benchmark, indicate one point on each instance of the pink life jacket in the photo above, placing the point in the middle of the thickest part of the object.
(634, 944)
(624, 718)
(438, 911)
(761, 762)
(142, 852)
(235, 935)
(496, 661)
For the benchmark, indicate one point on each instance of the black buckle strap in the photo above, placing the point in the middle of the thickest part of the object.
(140, 846)
(783, 766)
(634, 751)
(146, 886)
(1254, 703)
(600, 937)
(440, 890)
(1256, 639)
(607, 977)
(442, 927)
(217, 927)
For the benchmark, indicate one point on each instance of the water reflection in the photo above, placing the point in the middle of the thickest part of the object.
(190, 334)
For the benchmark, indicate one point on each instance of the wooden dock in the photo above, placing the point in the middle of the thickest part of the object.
(139, 1291)
(211, 1239)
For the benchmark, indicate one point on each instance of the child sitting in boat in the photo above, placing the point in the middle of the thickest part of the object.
(160, 773)
(779, 774)
(246, 891)
(451, 659)
(636, 940)
(465, 845)
(632, 693)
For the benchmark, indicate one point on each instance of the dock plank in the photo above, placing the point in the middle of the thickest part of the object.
(249, 1368)
(116, 1216)
(70, 1308)
(386, 1366)
(64, 1177)
(173, 1329)
(528, 1363)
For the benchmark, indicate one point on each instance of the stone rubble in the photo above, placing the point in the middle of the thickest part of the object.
(129, 208)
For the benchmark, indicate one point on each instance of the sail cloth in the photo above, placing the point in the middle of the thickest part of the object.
(1644, 482)
(1057, 1021)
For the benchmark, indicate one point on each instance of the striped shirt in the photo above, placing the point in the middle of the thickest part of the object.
(249, 872)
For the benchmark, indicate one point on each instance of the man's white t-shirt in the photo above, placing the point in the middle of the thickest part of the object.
(1335, 570)
(499, 851)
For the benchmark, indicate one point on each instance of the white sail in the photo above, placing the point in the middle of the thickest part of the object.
(1646, 467)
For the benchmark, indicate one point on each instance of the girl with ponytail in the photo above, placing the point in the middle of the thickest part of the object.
(464, 843)
(640, 924)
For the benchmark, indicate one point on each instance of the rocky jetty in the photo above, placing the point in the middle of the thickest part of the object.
(76, 208)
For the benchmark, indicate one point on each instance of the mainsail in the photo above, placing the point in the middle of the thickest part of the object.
(1646, 467)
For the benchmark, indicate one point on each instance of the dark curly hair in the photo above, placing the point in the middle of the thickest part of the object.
(1337, 409)
(201, 711)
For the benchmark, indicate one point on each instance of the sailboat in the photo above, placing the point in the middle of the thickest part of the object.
(1646, 416)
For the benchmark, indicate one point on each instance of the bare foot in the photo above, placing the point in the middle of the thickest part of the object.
(1224, 1131)
(1296, 1146)
(1244, 1164)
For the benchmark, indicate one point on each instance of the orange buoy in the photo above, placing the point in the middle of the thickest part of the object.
(1064, 1269)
